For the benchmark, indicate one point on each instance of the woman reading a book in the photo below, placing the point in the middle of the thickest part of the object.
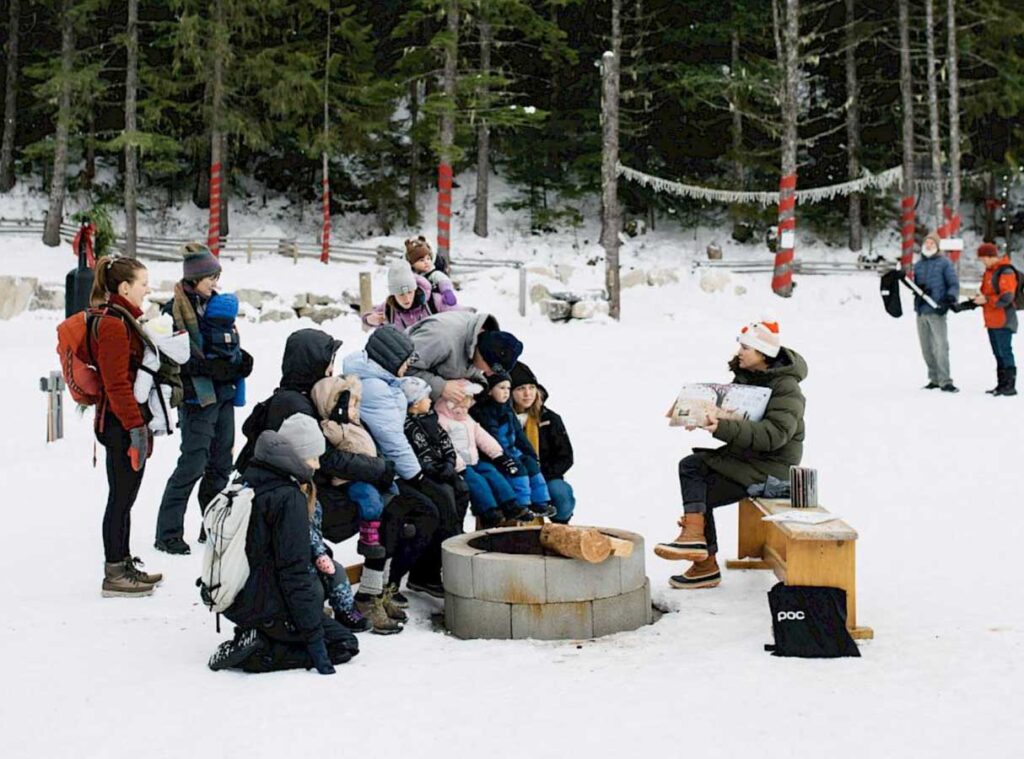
(753, 450)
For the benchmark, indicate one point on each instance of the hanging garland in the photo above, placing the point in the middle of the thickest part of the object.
(881, 181)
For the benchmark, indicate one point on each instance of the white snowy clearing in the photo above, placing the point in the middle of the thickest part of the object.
(930, 480)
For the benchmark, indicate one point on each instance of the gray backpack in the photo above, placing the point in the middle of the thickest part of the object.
(225, 565)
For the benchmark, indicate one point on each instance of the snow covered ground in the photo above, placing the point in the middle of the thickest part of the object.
(930, 480)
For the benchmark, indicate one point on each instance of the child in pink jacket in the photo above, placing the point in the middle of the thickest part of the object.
(490, 493)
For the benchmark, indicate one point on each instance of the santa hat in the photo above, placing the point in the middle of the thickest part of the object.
(762, 336)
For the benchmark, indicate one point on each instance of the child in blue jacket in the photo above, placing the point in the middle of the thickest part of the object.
(519, 463)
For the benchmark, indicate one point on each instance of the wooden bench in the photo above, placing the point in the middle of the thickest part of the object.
(800, 554)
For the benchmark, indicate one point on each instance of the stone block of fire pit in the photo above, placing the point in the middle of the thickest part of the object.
(619, 613)
(553, 621)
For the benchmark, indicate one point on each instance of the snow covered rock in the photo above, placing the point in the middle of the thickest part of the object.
(277, 315)
(584, 309)
(714, 280)
(633, 278)
(15, 294)
(714, 251)
(255, 298)
(47, 299)
(659, 277)
(539, 293)
(541, 271)
(740, 290)
(564, 272)
(557, 310)
(325, 313)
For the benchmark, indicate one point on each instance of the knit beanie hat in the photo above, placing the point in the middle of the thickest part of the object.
(521, 374)
(303, 435)
(496, 379)
(415, 389)
(762, 336)
(500, 350)
(417, 248)
(988, 249)
(199, 262)
(934, 237)
(389, 347)
(401, 280)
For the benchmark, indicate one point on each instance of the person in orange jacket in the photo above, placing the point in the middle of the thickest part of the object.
(998, 289)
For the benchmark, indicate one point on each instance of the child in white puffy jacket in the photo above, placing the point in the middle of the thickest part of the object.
(169, 345)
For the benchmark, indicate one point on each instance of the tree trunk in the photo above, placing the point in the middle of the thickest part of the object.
(954, 126)
(739, 173)
(89, 169)
(10, 100)
(218, 52)
(412, 212)
(935, 141)
(483, 135)
(853, 123)
(907, 97)
(131, 130)
(444, 174)
(611, 221)
(58, 181)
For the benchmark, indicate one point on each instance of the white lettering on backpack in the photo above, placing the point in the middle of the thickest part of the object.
(785, 616)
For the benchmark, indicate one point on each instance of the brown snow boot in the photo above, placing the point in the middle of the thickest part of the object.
(121, 582)
(151, 578)
(373, 609)
(701, 574)
(690, 545)
(391, 607)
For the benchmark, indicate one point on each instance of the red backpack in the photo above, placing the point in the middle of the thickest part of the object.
(74, 348)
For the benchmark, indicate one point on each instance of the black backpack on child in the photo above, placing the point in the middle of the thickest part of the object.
(809, 622)
(1018, 294)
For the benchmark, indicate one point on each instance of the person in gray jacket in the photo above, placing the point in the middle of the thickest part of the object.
(458, 345)
(936, 276)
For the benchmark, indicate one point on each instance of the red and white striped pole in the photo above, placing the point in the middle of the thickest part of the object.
(782, 281)
(952, 230)
(444, 210)
(325, 241)
(907, 234)
(213, 238)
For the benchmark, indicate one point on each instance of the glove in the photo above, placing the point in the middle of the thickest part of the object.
(507, 465)
(448, 296)
(388, 477)
(138, 451)
(324, 565)
(245, 368)
(318, 653)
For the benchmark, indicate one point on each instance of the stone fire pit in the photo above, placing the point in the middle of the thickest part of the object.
(503, 584)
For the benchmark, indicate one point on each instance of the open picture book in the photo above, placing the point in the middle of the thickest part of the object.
(733, 401)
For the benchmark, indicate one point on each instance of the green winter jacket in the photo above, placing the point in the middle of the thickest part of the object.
(754, 450)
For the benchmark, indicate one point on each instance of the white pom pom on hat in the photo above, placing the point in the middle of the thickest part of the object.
(762, 336)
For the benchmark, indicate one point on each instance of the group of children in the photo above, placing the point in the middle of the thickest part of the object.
(479, 449)
(418, 287)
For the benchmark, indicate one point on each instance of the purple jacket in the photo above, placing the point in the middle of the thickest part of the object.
(403, 318)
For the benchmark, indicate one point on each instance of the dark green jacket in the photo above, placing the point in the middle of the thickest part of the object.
(754, 450)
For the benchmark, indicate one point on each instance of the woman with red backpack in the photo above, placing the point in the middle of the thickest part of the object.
(117, 343)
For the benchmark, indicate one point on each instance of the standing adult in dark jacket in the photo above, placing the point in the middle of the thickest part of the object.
(546, 431)
(116, 342)
(207, 417)
(752, 451)
(935, 275)
(279, 610)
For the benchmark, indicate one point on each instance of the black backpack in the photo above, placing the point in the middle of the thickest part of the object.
(809, 622)
(251, 428)
(1018, 295)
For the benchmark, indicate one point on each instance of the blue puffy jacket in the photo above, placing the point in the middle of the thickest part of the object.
(382, 411)
(503, 425)
(937, 277)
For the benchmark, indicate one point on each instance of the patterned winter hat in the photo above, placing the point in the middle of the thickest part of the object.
(415, 389)
(199, 262)
(762, 336)
(988, 249)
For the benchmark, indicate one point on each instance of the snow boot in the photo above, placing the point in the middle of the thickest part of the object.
(369, 540)
(392, 609)
(701, 574)
(373, 609)
(932, 385)
(690, 545)
(491, 518)
(122, 580)
(542, 510)
(1009, 386)
(516, 513)
(1000, 381)
(175, 546)
(351, 620)
(233, 653)
(397, 597)
(151, 578)
(431, 587)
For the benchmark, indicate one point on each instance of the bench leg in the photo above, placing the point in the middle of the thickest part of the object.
(827, 564)
(753, 533)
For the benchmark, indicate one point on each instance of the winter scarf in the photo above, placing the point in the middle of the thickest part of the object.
(185, 316)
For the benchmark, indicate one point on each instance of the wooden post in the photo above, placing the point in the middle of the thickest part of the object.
(522, 289)
(248, 252)
(365, 295)
(295, 253)
(53, 386)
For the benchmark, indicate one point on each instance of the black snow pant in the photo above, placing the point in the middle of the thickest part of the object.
(451, 507)
(207, 436)
(282, 648)
(704, 490)
(124, 483)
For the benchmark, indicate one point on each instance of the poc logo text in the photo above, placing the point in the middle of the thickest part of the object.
(785, 616)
